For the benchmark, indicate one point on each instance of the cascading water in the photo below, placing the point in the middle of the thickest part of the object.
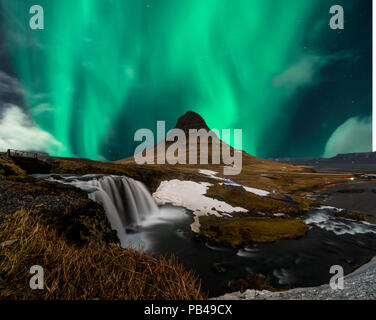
(127, 202)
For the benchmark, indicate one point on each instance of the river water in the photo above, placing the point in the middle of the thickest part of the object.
(300, 262)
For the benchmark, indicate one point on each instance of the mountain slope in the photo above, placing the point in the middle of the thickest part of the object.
(258, 173)
(192, 120)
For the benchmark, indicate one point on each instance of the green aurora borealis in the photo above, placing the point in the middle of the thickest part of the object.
(104, 69)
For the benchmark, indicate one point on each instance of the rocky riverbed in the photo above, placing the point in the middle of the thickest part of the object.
(359, 285)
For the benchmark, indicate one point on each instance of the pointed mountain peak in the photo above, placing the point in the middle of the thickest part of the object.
(191, 120)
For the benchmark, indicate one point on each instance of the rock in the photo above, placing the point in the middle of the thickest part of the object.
(239, 285)
(219, 267)
(64, 208)
(191, 120)
(56, 177)
(351, 214)
(252, 281)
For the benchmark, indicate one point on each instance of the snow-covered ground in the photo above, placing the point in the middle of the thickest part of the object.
(212, 174)
(191, 195)
(259, 192)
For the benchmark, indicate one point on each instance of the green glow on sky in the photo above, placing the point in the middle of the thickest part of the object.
(222, 56)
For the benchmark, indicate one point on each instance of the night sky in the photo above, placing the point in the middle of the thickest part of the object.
(102, 69)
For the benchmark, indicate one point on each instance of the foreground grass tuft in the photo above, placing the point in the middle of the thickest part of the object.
(72, 272)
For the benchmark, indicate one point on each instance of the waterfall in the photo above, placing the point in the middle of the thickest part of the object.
(126, 201)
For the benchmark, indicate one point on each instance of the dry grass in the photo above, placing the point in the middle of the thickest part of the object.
(239, 197)
(84, 273)
(9, 168)
(239, 232)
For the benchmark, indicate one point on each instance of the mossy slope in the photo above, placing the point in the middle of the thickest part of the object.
(240, 232)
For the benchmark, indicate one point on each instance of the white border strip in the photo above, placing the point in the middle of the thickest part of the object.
(373, 75)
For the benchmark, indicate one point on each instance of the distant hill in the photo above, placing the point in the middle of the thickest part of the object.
(361, 157)
(362, 161)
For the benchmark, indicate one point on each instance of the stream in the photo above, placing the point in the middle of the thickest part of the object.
(302, 262)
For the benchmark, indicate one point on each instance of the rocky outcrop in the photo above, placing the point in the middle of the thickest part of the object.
(65, 208)
(191, 120)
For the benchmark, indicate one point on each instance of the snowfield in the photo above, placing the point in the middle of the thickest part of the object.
(191, 195)
(259, 192)
(212, 174)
